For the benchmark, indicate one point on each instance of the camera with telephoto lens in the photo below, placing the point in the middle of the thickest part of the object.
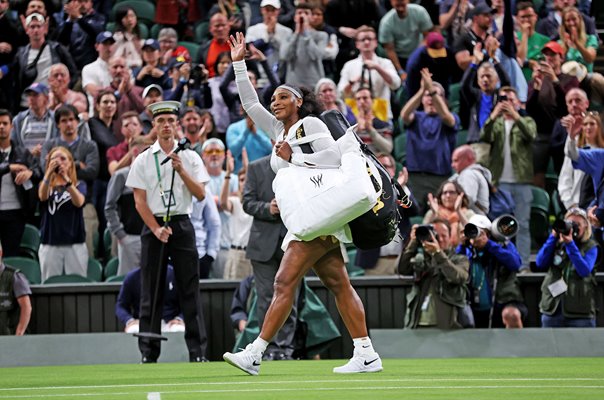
(563, 227)
(422, 232)
(197, 76)
(503, 228)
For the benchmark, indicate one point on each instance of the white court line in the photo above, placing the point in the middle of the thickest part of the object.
(305, 389)
(252, 382)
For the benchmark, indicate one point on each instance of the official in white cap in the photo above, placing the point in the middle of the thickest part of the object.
(151, 181)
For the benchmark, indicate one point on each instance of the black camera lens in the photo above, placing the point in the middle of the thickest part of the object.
(471, 231)
(422, 232)
(562, 227)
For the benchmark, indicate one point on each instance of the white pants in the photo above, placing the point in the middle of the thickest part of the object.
(63, 259)
(128, 254)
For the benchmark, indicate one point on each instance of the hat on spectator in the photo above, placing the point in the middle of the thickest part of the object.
(555, 47)
(482, 8)
(480, 221)
(211, 141)
(31, 17)
(575, 69)
(154, 44)
(164, 107)
(152, 87)
(272, 3)
(435, 45)
(105, 37)
(37, 87)
(176, 62)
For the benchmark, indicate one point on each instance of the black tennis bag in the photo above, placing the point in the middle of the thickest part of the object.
(377, 227)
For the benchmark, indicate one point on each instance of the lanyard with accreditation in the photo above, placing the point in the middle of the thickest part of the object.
(167, 196)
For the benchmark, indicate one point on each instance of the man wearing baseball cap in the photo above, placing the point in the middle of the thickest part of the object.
(78, 28)
(495, 295)
(33, 61)
(151, 94)
(95, 75)
(34, 125)
(547, 91)
(269, 32)
(151, 73)
(437, 58)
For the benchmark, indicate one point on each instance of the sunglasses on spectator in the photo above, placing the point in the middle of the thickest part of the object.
(213, 152)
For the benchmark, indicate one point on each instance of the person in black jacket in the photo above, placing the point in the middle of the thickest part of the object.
(52, 52)
(18, 173)
(79, 24)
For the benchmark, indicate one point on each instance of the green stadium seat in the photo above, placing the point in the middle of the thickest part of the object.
(416, 220)
(400, 145)
(95, 270)
(116, 278)
(154, 31)
(145, 10)
(540, 199)
(29, 267)
(202, 32)
(556, 205)
(71, 278)
(111, 268)
(454, 96)
(193, 49)
(108, 243)
(539, 224)
(352, 269)
(30, 242)
(462, 138)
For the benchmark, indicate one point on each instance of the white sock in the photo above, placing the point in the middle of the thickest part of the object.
(363, 345)
(259, 345)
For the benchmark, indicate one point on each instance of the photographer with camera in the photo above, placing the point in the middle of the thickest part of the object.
(439, 290)
(495, 296)
(569, 288)
(190, 84)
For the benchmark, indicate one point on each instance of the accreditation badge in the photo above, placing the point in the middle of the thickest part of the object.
(168, 198)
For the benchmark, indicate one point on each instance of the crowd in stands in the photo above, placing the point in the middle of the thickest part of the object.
(459, 98)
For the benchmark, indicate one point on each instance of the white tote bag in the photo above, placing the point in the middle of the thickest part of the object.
(318, 201)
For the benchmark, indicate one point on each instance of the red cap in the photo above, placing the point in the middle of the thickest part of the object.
(435, 45)
(555, 47)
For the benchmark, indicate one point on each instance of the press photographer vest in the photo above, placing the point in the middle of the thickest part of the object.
(9, 308)
(579, 298)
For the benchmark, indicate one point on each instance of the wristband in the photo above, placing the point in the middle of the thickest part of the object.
(473, 65)
(400, 71)
(432, 93)
(227, 177)
(68, 184)
(46, 181)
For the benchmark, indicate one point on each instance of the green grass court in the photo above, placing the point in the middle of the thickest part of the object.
(510, 378)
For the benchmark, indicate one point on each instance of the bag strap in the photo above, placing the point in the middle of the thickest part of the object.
(35, 61)
(309, 138)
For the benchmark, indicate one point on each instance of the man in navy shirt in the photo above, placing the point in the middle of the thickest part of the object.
(431, 138)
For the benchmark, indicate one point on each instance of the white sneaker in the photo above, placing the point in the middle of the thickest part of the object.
(246, 360)
(359, 363)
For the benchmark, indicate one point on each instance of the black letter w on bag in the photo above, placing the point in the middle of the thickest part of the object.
(317, 180)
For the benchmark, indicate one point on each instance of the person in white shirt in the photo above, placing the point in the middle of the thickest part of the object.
(370, 70)
(163, 194)
(96, 75)
(269, 35)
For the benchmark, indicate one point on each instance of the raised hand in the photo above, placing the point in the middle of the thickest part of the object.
(237, 45)
(433, 203)
(230, 163)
